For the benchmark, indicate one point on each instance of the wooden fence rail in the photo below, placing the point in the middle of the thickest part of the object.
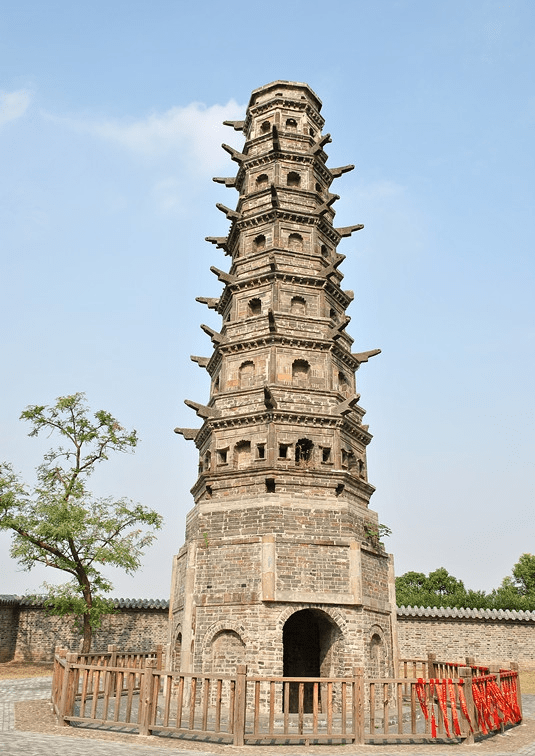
(244, 708)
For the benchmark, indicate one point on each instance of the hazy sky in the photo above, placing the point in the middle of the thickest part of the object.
(110, 132)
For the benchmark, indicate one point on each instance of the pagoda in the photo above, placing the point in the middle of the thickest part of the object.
(282, 567)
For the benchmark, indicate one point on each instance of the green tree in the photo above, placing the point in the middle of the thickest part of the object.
(517, 592)
(524, 575)
(439, 588)
(410, 589)
(60, 524)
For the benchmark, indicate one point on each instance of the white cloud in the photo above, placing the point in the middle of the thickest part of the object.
(13, 105)
(193, 133)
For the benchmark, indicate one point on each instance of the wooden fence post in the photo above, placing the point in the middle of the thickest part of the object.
(110, 676)
(112, 650)
(514, 667)
(240, 703)
(146, 699)
(68, 692)
(159, 656)
(494, 669)
(466, 674)
(358, 705)
(431, 666)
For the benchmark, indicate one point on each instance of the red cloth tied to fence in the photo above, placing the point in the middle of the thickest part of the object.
(501, 703)
(463, 705)
(510, 692)
(453, 703)
(479, 692)
(441, 692)
(421, 692)
(490, 702)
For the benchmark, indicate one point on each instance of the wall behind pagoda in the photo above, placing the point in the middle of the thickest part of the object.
(27, 633)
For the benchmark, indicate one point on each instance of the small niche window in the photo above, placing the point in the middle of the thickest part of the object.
(208, 492)
(343, 382)
(222, 456)
(255, 306)
(270, 485)
(295, 242)
(260, 451)
(293, 179)
(298, 306)
(303, 451)
(291, 124)
(349, 461)
(265, 127)
(360, 468)
(311, 132)
(324, 251)
(284, 451)
(216, 385)
(242, 454)
(326, 454)
(318, 187)
(333, 315)
(247, 373)
(300, 370)
(207, 461)
(262, 181)
(259, 242)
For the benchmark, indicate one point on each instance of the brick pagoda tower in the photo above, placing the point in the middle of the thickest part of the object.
(282, 568)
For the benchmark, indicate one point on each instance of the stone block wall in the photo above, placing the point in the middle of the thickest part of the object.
(490, 636)
(9, 615)
(28, 633)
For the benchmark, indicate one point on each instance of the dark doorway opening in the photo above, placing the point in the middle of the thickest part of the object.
(308, 639)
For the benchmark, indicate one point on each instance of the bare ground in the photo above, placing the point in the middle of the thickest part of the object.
(17, 670)
(38, 716)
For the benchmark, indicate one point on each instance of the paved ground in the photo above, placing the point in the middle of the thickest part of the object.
(17, 743)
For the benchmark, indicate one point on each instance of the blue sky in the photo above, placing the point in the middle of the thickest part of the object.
(110, 132)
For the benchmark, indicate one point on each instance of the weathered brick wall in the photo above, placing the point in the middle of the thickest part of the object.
(508, 636)
(8, 630)
(28, 633)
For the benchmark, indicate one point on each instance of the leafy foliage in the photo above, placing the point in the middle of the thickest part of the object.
(439, 588)
(60, 524)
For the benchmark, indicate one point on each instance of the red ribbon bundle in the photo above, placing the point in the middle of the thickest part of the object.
(490, 701)
(463, 705)
(441, 691)
(454, 716)
(421, 692)
(510, 693)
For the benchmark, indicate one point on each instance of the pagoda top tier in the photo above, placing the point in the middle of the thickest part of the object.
(295, 90)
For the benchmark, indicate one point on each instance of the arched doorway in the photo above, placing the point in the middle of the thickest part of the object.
(177, 652)
(309, 648)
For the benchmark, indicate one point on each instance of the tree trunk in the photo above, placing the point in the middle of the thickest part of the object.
(86, 645)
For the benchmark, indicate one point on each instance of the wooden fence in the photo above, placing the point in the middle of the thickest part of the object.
(244, 708)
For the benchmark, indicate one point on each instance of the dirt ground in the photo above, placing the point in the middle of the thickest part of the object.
(37, 716)
(16, 670)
